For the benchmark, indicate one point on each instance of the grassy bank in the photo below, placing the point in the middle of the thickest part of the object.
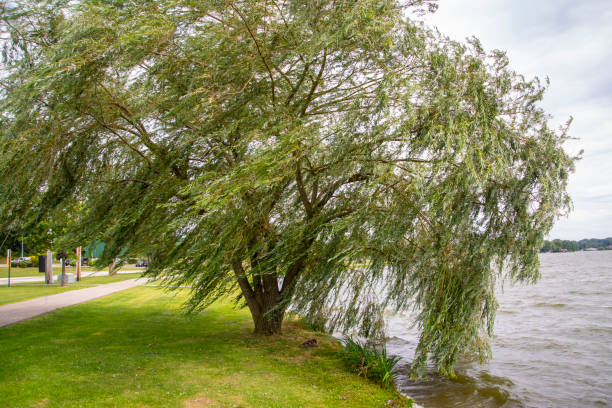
(24, 291)
(136, 349)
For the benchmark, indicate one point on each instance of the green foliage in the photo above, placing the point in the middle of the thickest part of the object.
(264, 147)
(38, 233)
(557, 245)
(316, 323)
(371, 361)
(10, 239)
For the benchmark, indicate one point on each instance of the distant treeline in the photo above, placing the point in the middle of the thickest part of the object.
(561, 245)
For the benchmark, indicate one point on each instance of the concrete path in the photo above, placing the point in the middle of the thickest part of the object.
(41, 278)
(16, 312)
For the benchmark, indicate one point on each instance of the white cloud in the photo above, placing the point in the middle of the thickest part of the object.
(571, 43)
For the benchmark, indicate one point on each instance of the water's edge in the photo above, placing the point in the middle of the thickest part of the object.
(552, 345)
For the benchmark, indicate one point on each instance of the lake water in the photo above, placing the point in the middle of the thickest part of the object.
(552, 345)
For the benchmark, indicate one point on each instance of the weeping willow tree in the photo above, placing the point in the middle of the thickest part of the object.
(332, 158)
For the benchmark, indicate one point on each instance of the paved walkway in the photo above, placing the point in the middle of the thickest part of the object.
(16, 312)
(41, 278)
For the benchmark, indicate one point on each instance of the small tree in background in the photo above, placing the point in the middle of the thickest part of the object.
(332, 157)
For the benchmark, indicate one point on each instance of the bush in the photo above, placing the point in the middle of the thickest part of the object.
(34, 260)
(131, 260)
(19, 264)
(370, 361)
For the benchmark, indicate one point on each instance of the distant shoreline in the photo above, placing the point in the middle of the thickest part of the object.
(590, 244)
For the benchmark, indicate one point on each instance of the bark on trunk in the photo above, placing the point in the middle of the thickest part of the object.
(112, 268)
(268, 323)
(263, 300)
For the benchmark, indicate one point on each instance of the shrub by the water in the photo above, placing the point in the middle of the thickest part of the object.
(371, 361)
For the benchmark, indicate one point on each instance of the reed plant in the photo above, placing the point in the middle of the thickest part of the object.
(371, 361)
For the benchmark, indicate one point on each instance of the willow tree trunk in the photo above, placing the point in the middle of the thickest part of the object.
(263, 298)
(269, 321)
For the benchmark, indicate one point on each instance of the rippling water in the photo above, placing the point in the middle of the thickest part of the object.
(552, 345)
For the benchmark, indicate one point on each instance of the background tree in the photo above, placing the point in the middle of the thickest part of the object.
(556, 245)
(36, 239)
(38, 234)
(333, 158)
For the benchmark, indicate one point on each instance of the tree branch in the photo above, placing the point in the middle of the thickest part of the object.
(314, 84)
(272, 83)
(302, 190)
(298, 85)
(327, 193)
(245, 286)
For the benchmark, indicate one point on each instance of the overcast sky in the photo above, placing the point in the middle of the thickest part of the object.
(570, 41)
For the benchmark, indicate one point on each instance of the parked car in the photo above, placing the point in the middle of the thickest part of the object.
(142, 264)
(68, 261)
(22, 261)
(84, 261)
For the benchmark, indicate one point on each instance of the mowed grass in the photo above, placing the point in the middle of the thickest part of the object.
(24, 291)
(20, 272)
(136, 349)
(17, 272)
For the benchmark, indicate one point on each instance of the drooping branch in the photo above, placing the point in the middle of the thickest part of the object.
(128, 115)
(328, 192)
(315, 84)
(259, 52)
(300, 185)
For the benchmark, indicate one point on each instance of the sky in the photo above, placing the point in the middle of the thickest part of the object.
(570, 41)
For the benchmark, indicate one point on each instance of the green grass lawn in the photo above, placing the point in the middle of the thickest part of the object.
(96, 280)
(136, 349)
(23, 272)
(24, 291)
(20, 272)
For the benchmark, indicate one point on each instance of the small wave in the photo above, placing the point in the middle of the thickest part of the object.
(467, 390)
(554, 305)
